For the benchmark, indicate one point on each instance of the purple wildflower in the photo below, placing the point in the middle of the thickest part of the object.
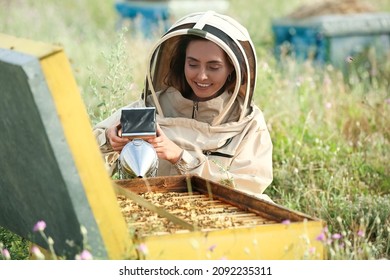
(35, 250)
(40, 226)
(360, 233)
(143, 248)
(286, 222)
(336, 236)
(321, 237)
(325, 229)
(37, 253)
(6, 254)
(85, 255)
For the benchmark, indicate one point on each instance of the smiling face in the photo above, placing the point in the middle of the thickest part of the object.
(206, 68)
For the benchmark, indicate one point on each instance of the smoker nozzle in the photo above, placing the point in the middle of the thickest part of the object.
(137, 159)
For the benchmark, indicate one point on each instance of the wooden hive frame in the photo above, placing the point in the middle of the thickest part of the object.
(273, 231)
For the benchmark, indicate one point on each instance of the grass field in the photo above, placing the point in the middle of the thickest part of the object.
(331, 131)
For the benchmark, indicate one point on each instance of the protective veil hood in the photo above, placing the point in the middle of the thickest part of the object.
(228, 34)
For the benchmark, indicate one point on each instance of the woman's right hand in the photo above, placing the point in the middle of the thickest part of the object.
(117, 143)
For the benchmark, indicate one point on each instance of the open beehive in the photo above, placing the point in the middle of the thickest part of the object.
(53, 171)
(189, 217)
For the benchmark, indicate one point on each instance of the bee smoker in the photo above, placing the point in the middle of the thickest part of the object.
(138, 158)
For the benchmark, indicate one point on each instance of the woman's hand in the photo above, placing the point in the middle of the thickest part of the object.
(165, 148)
(117, 143)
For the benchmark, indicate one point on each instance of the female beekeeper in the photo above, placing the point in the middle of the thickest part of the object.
(201, 78)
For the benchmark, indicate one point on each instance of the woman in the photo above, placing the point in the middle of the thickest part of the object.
(201, 80)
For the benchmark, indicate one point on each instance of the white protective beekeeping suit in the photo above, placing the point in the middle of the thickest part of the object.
(226, 139)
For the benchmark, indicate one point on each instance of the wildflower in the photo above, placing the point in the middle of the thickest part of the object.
(312, 250)
(360, 233)
(325, 229)
(6, 254)
(40, 226)
(37, 253)
(328, 105)
(50, 241)
(336, 236)
(84, 255)
(286, 222)
(83, 230)
(143, 248)
(321, 237)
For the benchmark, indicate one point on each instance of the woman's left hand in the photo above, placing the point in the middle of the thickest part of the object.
(165, 148)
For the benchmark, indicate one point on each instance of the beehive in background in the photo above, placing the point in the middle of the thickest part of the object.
(154, 17)
(52, 170)
(332, 32)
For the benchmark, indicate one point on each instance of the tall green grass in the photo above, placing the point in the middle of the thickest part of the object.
(330, 130)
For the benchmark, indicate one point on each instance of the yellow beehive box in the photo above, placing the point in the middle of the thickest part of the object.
(53, 171)
(215, 222)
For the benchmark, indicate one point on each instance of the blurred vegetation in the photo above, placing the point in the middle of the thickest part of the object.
(330, 131)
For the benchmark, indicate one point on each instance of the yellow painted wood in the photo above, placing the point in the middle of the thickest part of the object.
(78, 132)
(37, 49)
(86, 154)
(268, 242)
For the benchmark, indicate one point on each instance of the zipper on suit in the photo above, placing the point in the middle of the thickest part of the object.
(195, 110)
